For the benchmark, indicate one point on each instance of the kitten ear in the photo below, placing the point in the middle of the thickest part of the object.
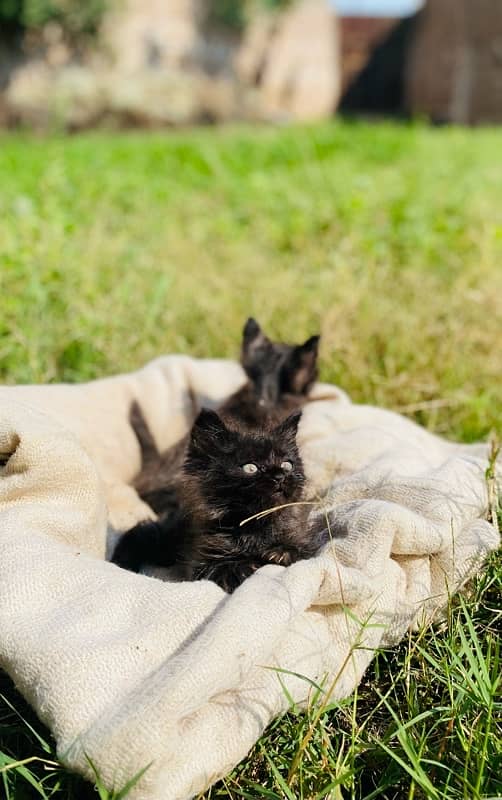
(207, 428)
(288, 428)
(252, 337)
(311, 345)
(303, 370)
(251, 330)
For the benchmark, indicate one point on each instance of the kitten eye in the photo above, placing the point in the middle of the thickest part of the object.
(287, 466)
(250, 469)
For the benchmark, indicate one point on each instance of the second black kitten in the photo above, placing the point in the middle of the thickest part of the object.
(229, 475)
(280, 376)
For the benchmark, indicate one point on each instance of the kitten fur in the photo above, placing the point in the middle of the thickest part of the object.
(205, 536)
(280, 377)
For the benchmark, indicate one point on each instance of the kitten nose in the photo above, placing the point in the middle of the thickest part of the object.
(277, 475)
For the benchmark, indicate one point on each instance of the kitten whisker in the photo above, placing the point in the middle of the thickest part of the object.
(271, 510)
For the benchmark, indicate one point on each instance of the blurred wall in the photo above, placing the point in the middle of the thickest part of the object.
(293, 61)
(165, 62)
(454, 71)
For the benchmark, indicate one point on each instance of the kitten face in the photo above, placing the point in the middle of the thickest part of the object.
(275, 368)
(242, 473)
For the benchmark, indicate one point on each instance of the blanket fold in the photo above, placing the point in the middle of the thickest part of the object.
(130, 671)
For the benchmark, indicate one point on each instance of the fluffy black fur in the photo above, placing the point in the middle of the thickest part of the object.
(218, 492)
(280, 377)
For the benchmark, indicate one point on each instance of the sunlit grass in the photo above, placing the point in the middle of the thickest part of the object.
(388, 239)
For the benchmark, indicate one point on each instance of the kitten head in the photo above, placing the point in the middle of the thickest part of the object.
(233, 473)
(275, 368)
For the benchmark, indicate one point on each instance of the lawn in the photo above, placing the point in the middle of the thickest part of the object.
(115, 248)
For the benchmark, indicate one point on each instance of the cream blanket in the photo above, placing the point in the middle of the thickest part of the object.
(127, 670)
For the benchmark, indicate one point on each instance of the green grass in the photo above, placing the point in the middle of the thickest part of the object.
(115, 248)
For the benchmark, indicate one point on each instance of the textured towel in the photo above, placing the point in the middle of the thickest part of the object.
(128, 670)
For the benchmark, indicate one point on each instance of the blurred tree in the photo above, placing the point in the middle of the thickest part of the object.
(276, 3)
(11, 11)
(233, 14)
(77, 17)
(74, 16)
(226, 14)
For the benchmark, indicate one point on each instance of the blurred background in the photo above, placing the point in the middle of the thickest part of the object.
(176, 62)
(170, 167)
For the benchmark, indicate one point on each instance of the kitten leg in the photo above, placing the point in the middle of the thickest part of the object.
(156, 543)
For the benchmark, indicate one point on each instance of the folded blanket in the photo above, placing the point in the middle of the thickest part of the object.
(129, 671)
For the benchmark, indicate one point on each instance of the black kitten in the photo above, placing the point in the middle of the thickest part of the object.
(280, 377)
(229, 475)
